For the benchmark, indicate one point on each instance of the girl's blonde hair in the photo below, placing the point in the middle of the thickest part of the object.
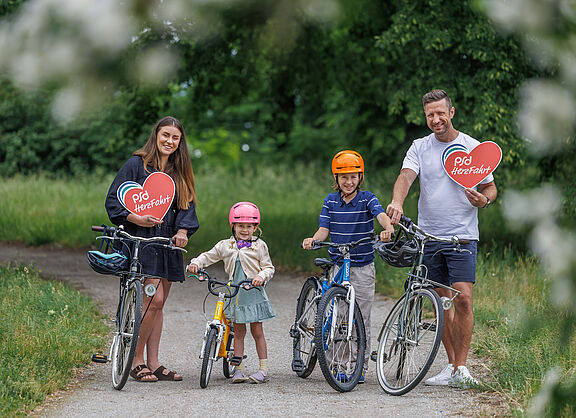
(179, 166)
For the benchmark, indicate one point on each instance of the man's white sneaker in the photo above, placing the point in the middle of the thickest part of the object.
(441, 379)
(463, 379)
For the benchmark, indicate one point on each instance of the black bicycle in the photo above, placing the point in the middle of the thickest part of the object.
(129, 311)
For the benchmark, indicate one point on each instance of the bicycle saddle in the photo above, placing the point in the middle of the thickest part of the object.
(321, 262)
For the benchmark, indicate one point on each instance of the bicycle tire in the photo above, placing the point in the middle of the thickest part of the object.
(208, 358)
(304, 349)
(341, 360)
(127, 332)
(227, 368)
(403, 362)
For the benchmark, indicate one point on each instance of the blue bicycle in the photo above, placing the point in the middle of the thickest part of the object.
(329, 328)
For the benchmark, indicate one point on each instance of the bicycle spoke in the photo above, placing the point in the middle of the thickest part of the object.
(343, 344)
(304, 351)
(126, 339)
(410, 341)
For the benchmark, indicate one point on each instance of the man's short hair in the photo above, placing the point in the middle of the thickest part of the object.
(436, 95)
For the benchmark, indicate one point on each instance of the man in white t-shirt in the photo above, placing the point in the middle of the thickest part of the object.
(446, 209)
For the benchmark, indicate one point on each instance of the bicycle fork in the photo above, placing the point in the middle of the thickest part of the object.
(223, 331)
(350, 299)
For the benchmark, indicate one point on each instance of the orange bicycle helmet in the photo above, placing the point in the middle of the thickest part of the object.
(347, 162)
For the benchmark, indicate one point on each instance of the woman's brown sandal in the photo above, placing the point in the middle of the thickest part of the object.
(159, 373)
(138, 375)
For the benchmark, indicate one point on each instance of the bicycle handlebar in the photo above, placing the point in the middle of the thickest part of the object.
(203, 276)
(410, 227)
(343, 246)
(111, 232)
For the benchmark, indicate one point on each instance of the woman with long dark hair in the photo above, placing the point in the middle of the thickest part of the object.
(165, 151)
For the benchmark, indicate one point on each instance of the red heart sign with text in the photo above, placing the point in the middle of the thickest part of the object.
(154, 197)
(468, 169)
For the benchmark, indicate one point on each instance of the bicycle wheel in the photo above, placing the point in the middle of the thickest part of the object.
(126, 337)
(209, 355)
(341, 358)
(304, 351)
(409, 343)
(228, 369)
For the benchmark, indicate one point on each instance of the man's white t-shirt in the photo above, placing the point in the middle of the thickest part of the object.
(443, 209)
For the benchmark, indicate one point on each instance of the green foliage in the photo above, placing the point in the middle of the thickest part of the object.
(47, 329)
(352, 82)
(9, 6)
(31, 142)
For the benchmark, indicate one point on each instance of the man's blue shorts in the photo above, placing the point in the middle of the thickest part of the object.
(447, 266)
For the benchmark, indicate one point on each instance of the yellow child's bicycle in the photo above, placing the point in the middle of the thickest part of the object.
(218, 339)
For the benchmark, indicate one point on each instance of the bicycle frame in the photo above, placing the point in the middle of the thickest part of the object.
(219, 332)
(129, 311)
(418, 278)
(342, 278)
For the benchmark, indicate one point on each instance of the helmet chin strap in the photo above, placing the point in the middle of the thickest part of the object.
(346, 195)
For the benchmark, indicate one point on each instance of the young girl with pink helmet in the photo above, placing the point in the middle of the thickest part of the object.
(245, 257)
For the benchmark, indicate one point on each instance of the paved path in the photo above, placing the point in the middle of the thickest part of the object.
(285, 394)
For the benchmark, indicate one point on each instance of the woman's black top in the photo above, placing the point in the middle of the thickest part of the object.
(154, 261)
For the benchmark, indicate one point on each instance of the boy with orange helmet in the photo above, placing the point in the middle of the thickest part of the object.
(348, 215)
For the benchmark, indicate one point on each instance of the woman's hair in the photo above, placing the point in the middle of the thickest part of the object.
(179, 166)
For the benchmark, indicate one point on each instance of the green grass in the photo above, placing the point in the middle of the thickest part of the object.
(41, 210)
(48, 330)
(517, 327)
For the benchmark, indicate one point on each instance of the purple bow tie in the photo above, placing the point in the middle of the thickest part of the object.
(241, 243)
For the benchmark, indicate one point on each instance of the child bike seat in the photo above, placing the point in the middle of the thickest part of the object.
(323, 262)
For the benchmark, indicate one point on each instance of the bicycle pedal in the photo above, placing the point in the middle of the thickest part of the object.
(297, 366)
(374, 356)
(429, 327)
(236, 361)
(99, 358)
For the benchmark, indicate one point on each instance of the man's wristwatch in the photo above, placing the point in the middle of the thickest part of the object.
(487, 202)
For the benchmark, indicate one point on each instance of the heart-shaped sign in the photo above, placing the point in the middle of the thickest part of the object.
(468, 169)
(154, 197)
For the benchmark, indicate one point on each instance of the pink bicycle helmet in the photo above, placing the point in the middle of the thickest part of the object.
(244, 212)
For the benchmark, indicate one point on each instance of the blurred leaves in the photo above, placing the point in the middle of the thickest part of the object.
(547, 118)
